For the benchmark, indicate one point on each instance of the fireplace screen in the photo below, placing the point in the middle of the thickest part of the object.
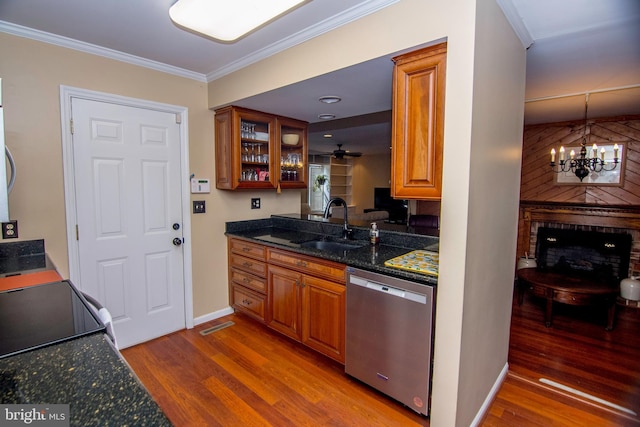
(603, 256)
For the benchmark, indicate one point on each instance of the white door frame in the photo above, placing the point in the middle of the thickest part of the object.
(66, 94)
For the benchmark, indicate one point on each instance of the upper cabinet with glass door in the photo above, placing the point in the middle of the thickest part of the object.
(292, 138)
(256, 150)
(245, 155)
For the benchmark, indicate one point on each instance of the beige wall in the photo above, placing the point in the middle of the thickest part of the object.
(493, 193)
(367, 173)
(485, 81)
(32, 73)
(461, 381)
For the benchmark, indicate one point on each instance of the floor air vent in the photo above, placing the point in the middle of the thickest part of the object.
(216, 328)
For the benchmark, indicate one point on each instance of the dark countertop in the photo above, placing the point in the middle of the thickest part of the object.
(88, 374)
(288, 231)
(23, 257)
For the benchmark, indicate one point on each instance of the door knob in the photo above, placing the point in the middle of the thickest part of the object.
(177, 241)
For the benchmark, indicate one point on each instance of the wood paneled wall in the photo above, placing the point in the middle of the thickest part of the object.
(538, 181)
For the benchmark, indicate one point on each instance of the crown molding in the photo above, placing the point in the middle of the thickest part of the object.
(518, 25)
(30, 33)
(327, 25)
(352, 14)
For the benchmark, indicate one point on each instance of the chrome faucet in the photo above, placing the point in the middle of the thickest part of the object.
(346, 231)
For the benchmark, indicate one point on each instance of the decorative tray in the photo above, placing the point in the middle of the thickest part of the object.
(419, 261)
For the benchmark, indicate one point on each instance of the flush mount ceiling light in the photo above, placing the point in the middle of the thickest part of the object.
(326, 116)
(227, 20)
(330, 99)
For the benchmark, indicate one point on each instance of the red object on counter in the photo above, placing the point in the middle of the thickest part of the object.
(30, 279)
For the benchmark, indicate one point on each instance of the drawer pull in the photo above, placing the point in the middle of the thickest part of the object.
(247, 301)
(246, 280)
(245, 249)
(247, 264)
(301, 263)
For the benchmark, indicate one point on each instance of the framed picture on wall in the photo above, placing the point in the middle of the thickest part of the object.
(613, 177)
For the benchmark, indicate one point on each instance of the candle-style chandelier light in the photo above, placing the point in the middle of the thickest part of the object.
(582, 165)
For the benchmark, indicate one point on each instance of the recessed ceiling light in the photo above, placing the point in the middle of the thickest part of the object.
(327, 135)
(326, 116)
(330, 99)
(227, 20)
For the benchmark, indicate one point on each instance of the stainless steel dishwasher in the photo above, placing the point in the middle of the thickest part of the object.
(388, 336)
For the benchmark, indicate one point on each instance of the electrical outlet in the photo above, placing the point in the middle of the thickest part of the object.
(10, 230)
(199, 206)
(255, 203)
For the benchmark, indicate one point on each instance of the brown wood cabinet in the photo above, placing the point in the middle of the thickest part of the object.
(256, 150)
(418, 123)
(299, 296)
(248, 278)
(307, 301)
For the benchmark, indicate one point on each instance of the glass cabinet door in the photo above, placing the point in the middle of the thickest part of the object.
(292, 143)
(256, 155)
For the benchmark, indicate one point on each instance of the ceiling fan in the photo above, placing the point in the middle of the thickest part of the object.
(340, 153)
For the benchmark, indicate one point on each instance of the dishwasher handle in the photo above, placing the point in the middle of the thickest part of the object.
(389, 290)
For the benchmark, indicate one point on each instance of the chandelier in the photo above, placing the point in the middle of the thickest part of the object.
(582, 165)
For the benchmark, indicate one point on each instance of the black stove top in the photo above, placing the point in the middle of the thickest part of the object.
(45, 314)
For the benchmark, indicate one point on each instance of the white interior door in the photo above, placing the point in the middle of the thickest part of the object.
(129, 215)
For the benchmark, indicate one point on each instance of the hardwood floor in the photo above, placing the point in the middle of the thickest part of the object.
(248, 375)
(576, 352)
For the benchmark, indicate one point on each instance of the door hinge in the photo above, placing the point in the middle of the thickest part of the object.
(71, 125)
(178, 118)
(77, 233)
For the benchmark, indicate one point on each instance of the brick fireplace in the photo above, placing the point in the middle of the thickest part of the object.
(603, 256)
(587, 219)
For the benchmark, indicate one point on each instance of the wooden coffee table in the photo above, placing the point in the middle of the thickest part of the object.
(567, 289)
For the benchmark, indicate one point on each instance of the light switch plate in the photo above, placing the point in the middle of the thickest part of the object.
(199, 206)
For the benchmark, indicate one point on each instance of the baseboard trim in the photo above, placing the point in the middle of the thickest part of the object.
(212, 316)
(489, 399)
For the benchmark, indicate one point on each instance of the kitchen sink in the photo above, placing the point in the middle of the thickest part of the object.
(330, 245)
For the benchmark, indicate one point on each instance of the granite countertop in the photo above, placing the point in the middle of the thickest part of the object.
(23, 257)
(288, 231)
(88, 374)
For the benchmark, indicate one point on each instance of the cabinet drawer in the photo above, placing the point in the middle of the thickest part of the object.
(249, 302)
(247, 249)
(308, 265)
(578, 299)
(253, 266)
(248, 280)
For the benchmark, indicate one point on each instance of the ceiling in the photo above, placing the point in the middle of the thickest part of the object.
(575, 46)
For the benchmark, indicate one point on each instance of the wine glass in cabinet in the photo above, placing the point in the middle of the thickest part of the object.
(245, 150)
